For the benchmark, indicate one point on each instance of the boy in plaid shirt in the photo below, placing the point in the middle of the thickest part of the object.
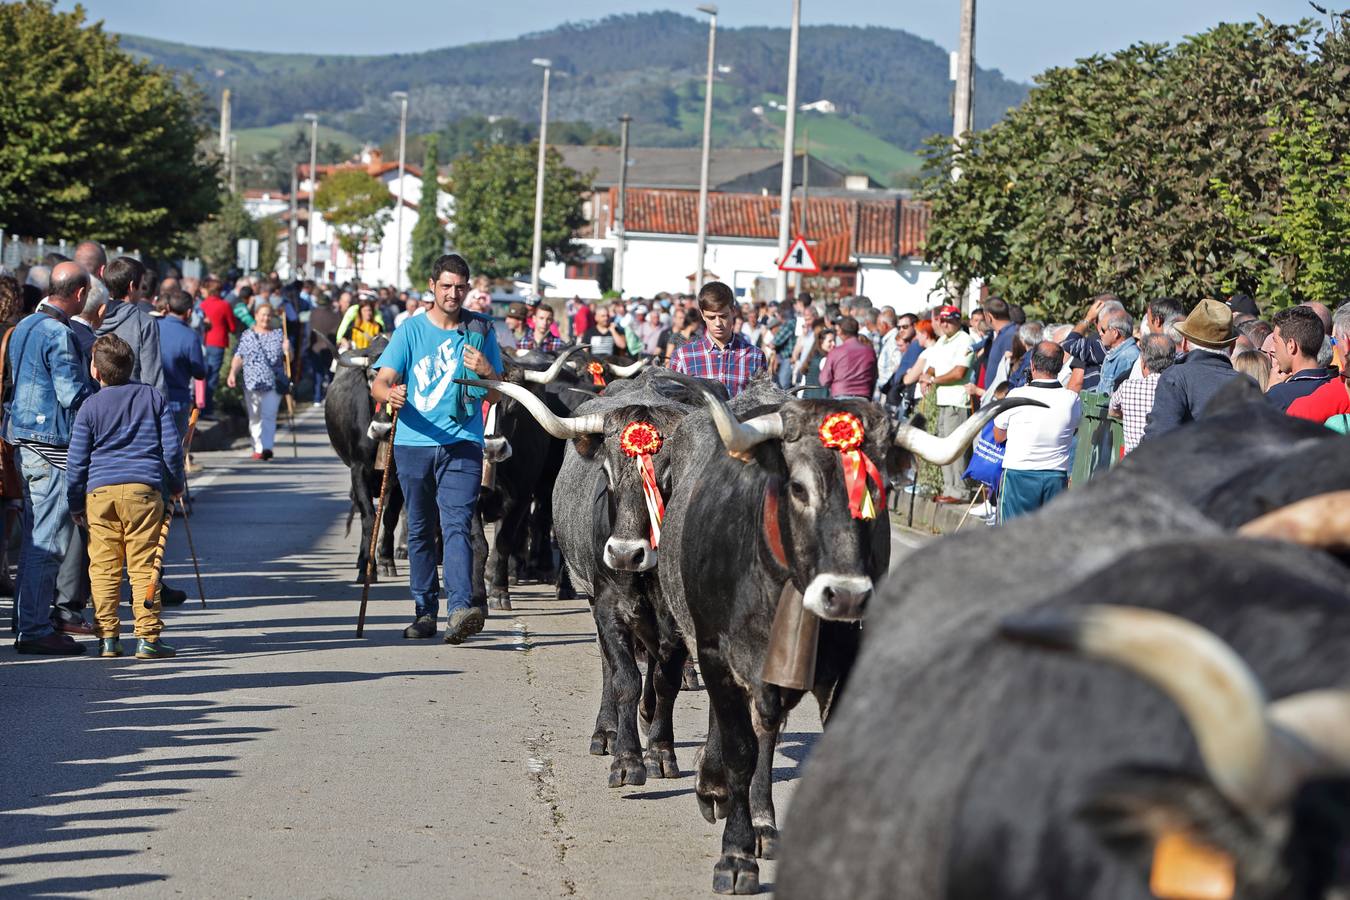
(722, 354)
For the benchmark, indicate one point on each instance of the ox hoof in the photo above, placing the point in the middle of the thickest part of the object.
(627, 770)
(387, 567)
(660, 760)
(766, 842)
(689, 682)
(499, 603)
(711, 806)
(602, 743)
(736, 875)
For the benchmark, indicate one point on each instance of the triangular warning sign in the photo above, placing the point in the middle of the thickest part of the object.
(799, 258)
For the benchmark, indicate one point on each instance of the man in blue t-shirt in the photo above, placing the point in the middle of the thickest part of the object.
(438, 443)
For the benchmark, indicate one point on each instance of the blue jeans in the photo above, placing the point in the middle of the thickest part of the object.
(440, 488)
(785, 372)
(319, 364)
(47, 531)
(215, 358)
(181, 412)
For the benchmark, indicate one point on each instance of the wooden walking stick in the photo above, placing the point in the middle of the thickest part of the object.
(158, 577)
(192, 548)
(290, 401)
(375, 532)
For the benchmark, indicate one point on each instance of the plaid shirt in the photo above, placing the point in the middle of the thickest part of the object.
(733, 366)
(551, 344)
(1134, 399)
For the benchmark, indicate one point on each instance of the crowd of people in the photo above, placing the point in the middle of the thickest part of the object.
(104, 362)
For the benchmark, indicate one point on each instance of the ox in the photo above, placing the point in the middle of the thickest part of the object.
(604, 533)
(758, 504)
(1000, 749)
(355, 429)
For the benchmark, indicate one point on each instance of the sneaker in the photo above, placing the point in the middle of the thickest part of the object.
(424, 627)
(109, 647)
(51, 645)
(155, 649)
(463, 623)
(267, 454)
(983, 510)
(171, 596)
(318, 404)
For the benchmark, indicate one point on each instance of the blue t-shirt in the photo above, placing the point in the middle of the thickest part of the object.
(428, 359)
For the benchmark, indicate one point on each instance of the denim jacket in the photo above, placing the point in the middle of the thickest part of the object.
(50, 376)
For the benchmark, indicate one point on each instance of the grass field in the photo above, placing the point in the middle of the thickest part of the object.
(253, 141)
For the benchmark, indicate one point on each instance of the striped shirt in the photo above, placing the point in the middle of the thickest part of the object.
(733, 365)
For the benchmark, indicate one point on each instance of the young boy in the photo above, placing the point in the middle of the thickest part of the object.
(124, 452)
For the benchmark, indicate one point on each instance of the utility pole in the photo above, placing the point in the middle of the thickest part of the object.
(537, 255)
(806, 190)
(313, 189)
(401, 96)
(225, 125)
(234, 160)
(620, 233)
(963, 113)
(789, 137)
(291, 250)
(707, 148)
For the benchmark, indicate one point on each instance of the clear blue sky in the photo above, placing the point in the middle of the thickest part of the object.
(1021, 38)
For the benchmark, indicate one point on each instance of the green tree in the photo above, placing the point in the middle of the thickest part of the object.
(268, 250)
(1105, 179)
(428, 235)
(93, 142)
(216, 241)
(356, 204)
(494, 208)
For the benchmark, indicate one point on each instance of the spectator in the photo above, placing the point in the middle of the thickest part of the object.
(479, 299)
(516, 314)
(891, 347)
(808, 332)
(11, 500)
(1116, 333)
(1298, 339)
(323, 326)
(1331, 400)
(242, 307)
(1133, 400)
(542, 337)
(1186, 388)
(410, 308)
(262, 357)
(1251, 336)
(583, 319)
(999, 320)
(721, 354)
(1029, 334)
(1321, 311)
(1036, 457)
(50, 382)
(40, 277)
(364, 327)
(123, 317)
(181, 353)
(220, 325)
(949, 363)
(605, 337)
(1090, 352)
(124, 454)
(1255, 365)
(683, 329)
(651, 331)
(850, 369)
(92, 258)
(1161, 317)
(85, 324)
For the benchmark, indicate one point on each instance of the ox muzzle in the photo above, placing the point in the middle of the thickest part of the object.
(840, 598)
(629, 556)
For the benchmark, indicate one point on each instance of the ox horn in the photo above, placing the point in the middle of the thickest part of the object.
(1256, 754)
(629, 370)
(353, 362)
(563, 429)
(942, 450)
(738, 437)
(1322, 521)
(548, 375)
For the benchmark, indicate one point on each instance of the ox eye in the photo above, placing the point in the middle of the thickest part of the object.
(799, 492)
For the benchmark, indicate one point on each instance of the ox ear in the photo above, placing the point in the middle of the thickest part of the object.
(1176, 829)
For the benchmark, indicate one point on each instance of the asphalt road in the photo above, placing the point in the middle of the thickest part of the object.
(280, 756)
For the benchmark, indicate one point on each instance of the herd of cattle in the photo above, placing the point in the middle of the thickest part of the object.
(975, 746)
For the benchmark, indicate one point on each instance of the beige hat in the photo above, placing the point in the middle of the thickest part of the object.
(1210, 324)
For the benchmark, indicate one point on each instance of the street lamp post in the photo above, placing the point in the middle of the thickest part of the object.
(537, 253)
(707, 147)
(402, 97)
(789, 135)
(620, 231)
(313, 119)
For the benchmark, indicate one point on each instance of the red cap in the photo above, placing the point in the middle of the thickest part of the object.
(949, 312)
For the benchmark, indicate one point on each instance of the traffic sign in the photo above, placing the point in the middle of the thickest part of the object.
(799, 258)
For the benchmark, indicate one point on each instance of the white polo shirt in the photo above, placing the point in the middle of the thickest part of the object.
(1039, 439)
(946, 354)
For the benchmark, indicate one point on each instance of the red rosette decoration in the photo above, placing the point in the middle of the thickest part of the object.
(640, 439)
(597, 373)
(843, 431)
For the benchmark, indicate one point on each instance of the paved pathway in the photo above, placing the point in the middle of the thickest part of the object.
(279, 756)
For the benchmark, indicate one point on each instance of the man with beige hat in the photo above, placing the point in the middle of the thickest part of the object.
(1204, 368)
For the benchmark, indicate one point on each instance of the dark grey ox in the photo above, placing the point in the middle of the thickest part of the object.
(604, 533)
(1009, 765)
(355, 429)
(756, 504)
